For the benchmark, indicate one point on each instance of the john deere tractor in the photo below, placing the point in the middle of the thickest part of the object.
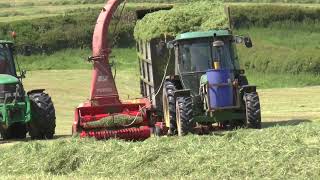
(204, 87)
(22, 112)
(208, 85)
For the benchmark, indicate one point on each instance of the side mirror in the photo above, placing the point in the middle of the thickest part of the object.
(170, 44)
(243, 40)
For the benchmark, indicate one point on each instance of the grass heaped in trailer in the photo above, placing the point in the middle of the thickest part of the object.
(195, 16)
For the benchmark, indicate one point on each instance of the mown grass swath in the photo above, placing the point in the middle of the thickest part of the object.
(276, 153)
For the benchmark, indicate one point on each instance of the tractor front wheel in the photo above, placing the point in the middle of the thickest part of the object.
(43, 120)
(169, 106)
(184, 115)
(253, 111)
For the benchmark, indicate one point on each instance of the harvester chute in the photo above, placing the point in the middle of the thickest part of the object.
(105, 116)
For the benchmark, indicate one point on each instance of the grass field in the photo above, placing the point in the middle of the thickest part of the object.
(70, 87)
(25, 10)
(31, 9)
(126, 58)
(286, 147)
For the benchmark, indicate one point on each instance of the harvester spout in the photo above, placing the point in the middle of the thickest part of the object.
(103, 88)
(105, 116)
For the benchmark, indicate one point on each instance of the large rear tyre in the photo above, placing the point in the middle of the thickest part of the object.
(15, 131)
(253, 111)
(43, 120)
(169, 106)
(184, 115)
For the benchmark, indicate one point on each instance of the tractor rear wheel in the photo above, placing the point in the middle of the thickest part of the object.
(15, 131)
(184, 115)
(253, 111)
(169, 106)
(43, 120)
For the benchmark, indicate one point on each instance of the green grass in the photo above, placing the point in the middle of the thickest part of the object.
(125, 59)
(197, 16)
(71, 87)
(45, 9)
(32, 9)
(282, 80)
(283, 48)
(287, 146)
(272, 153)
(76, 59)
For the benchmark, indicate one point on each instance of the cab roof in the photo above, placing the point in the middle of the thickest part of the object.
(203, 34)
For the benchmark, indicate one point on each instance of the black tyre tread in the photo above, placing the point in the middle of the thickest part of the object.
(253, 111)
(168, 91)
(15, 131)
(186, 115)
(43, 123)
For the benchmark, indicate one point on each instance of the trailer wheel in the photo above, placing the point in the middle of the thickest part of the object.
(169, 106)
(43, 120)
(253, 111)
(184, 115)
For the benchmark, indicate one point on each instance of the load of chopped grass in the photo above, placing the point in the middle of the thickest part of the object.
(195, 16)
(118, 120)
(275, 152)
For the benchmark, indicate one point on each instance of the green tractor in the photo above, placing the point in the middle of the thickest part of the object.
(208, 85)
(22, 112)
(204, 87)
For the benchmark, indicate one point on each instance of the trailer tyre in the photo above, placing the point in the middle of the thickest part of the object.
(43, 120)
(253, 111)
(169, 106)
(184, 115)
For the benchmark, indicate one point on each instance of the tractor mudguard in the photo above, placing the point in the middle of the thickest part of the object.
(248, 89)
(35, 91)
(182, 93)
